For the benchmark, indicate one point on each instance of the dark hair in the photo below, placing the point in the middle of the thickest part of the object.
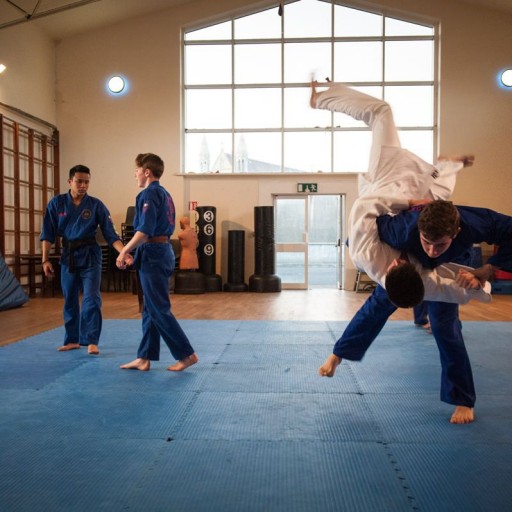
(439, 219)
(139, 158)
(78, 168)
(151, 162)
(404, 286)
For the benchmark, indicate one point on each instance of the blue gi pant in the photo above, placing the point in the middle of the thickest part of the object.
(82, 325)
(156, 263)
(457, 385)
(421, 313)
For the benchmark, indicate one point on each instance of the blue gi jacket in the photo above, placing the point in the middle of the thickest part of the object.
(154, 213)
(64, 219)
(477, 225)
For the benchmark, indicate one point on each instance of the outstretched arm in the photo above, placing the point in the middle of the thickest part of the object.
(443, 285)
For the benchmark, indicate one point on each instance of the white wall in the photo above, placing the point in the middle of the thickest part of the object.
(106, 133)
(28, 83)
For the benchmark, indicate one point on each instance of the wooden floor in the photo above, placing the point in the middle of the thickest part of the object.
(42, 314)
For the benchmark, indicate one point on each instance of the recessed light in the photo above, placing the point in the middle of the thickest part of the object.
(116, 84)
(506, 78)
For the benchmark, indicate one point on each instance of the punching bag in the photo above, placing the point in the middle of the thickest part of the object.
(264, 279)
(236, 257)
(206, 254)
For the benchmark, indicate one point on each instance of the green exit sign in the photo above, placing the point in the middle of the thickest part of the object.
(307, 187)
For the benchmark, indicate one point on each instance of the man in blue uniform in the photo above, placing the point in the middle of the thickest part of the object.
(443, 232)
(75, 217)
(154, 258)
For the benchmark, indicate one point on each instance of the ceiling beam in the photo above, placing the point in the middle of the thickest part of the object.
(42, 14)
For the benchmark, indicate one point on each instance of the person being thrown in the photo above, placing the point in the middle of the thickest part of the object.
(395, 176)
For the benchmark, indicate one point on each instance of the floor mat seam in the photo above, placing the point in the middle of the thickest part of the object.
(393, 462)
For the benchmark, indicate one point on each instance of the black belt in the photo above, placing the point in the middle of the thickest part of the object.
(75, 244)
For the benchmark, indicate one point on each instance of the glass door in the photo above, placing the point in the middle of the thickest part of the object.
(325, 248)
(291, 244)
(309, 243)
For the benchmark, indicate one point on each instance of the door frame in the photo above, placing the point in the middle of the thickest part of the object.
(303, 246)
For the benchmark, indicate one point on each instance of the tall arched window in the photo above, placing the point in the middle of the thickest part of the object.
(246, 87)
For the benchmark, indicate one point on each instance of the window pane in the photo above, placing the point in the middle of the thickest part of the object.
(9, 195)
(23, 141)
(38, 174)
(352, 22)
(409, 60)
(280, 106)
(322, 208)
(38, 202)
(257, 108)
(412, 106)
(303, 61)
(262, 25)
(290, 221)
(307, 152)
(208, 152)
(352, 151)
(208, 64)
(214, 32)
(291, 267)
(24, 169)
(396, 27)
(208, 108)
(307, 18)
(24, 217)
(358, 62)
(261, 150)
(299, 114)
(257, 63)
(418, 142)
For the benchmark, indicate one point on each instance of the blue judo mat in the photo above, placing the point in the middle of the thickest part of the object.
(252, 427)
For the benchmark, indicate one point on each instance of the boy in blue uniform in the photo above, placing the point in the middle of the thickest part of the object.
(75, 217)
(154, 258)
(443, 232)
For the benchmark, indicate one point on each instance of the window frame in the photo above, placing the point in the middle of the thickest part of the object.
(233, 132)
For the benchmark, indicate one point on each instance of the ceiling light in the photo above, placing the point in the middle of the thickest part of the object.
(2, 68)
(116, 84)
(506, 78)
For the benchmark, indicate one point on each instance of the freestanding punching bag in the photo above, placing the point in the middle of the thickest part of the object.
(206, 222)
(264, 279)
(236, 257)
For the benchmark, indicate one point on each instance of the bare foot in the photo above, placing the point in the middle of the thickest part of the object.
(184, 363)
(462, 414)
(328, 369)
(137, 364)
(425, 326)
(93, 349)
(69, 346)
